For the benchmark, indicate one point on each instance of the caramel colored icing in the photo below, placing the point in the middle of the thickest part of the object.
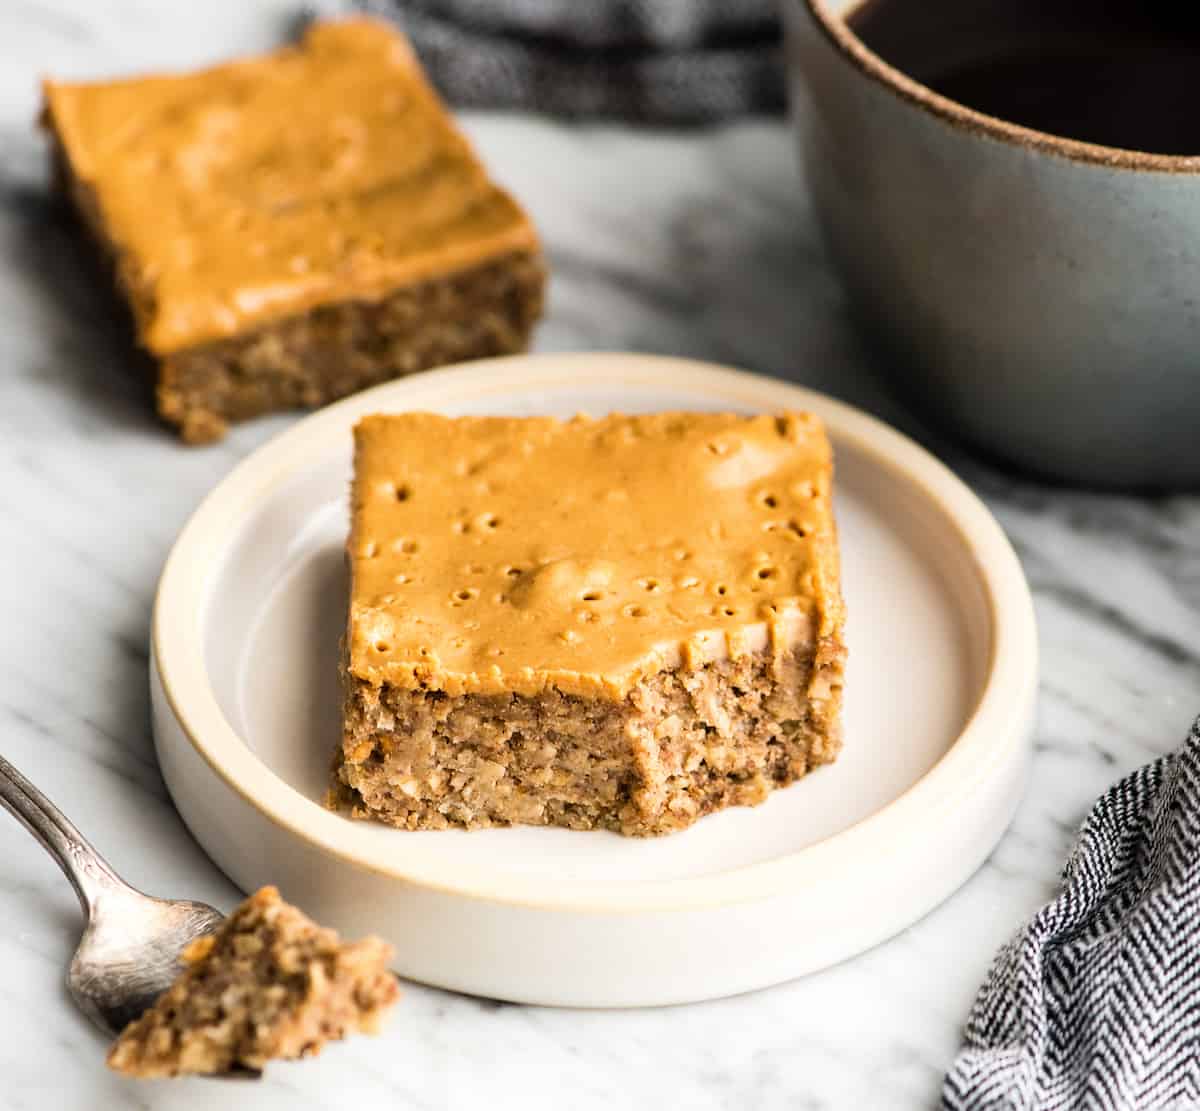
(506, 554)
(262, 188)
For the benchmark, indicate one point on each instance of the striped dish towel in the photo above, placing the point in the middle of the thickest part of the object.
(1095, 1005)
(650, 61)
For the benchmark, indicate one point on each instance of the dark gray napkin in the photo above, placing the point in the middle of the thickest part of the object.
(1096, 1003)
(652, 61)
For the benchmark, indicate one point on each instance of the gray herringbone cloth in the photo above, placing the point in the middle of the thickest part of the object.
(652, 61)
(1096, 1003)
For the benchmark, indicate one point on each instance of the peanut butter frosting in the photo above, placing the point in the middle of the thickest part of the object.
(262, 188)
(494, 554)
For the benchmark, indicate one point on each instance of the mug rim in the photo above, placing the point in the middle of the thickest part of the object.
(894, 80)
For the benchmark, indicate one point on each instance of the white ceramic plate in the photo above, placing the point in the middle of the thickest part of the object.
(939, 698)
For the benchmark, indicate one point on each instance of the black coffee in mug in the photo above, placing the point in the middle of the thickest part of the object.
(1118, 74)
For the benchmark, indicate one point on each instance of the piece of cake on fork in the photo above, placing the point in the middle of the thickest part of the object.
(269, 983)
(620, 623)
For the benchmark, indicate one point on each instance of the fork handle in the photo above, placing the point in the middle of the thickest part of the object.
(90, 874)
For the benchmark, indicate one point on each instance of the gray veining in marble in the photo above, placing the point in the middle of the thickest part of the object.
(697, 244)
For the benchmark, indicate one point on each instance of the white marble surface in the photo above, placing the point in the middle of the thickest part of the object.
(697, 244)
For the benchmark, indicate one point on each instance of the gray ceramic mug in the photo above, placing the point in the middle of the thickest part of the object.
(1041, 295)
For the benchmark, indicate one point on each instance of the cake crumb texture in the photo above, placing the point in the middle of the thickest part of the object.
(269, 983)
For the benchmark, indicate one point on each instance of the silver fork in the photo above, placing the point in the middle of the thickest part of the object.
(129, 952)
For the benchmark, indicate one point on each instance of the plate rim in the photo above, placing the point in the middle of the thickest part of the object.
(994, 734)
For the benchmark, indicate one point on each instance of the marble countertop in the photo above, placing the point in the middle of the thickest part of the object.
(696, 244)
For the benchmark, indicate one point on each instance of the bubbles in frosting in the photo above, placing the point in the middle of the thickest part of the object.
(592, 546)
